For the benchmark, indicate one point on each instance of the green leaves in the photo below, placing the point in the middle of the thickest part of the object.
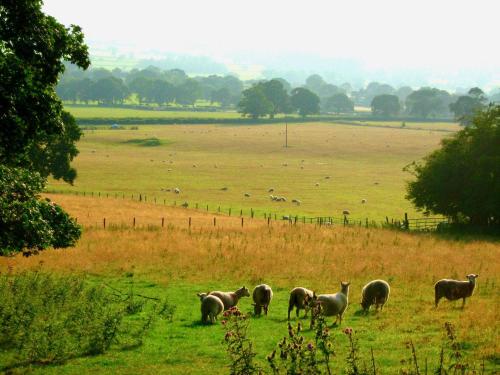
(462, 179)
(28, 223)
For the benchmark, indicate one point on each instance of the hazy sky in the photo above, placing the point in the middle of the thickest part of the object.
(449, 34)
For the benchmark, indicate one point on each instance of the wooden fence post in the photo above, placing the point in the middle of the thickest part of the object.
(407, 223)
(134, 223)
(229, 211)
(104, 223)
(242, 221)
(268, 220)
(190, 222)
(215, 221)
(162, 222)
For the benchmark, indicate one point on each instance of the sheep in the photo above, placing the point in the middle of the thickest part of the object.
(177, 191)
(272, 197)
(194, 165)
(299, 298)
(455, 289)
(376, 293)
(271, 190)
(297, 201)
(230, 299)
(363, 201)
(317, 184)
(346, 212)
(211, 306)
(185, 205)
(262, 296)
(328, 177)
(247, 195)
(224, 188)
(332, 304)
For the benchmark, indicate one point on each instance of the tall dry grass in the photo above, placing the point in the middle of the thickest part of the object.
(283, 255)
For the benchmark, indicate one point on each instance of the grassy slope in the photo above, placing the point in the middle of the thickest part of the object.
(364, 162)
(178, 263)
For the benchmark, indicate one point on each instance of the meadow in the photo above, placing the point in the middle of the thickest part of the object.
(329, 167)
(177, 262)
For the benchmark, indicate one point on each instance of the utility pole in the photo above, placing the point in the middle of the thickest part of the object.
(286, 134)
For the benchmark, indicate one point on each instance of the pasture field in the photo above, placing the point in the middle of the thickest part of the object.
(177, 262)
(348, 162)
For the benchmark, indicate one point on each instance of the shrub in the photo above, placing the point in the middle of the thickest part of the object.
(47, 318)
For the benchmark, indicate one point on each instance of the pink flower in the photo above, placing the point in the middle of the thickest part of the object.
(348, 331)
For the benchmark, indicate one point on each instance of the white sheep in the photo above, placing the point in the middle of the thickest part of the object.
(363, 201)
(455, 289)
(346, 212)
(333, 304)
(376, 293)
(299, 299)
(297, 201)
(317, 184)
(230, 299)
(262, 296)
(177, 191)
(211, 306)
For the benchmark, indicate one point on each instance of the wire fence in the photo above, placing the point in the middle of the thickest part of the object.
(413, 224)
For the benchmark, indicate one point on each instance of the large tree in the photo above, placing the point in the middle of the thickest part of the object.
(37, 137)
(385, 105)
(277, 95)
(462, 178)
(32, 49)
(254, 103)
(428, 101)
(339, 103)
(305, 101)
(466, 105)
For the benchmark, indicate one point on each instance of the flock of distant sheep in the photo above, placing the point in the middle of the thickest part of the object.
(376, 293)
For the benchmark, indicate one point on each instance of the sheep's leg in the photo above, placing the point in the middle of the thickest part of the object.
(297, 311)
(463, 302)
(265, 309)
(290, 308)
(306, 310)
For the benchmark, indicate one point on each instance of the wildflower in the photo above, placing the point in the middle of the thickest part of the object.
(224, 322)
(348, 331)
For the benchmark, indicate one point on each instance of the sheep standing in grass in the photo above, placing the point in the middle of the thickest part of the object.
(376, 293)
(333, 304)
(262, 296)
(299, 299)
(177, 190)
(455, 289)
(211, 306)
(230, 299)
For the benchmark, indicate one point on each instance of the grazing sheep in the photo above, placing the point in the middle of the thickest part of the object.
(177, 191)
(169, 170)
(455, 289)
(285, 217)
(363, 201)
(224, 188)
(230, 299)
(346, 212)
(282, 199)
(376, 293)
(271, 190)
(272, 197)
(211, 306)
(333, 304)
(299, 298)
(317, 184)
(285, 164)
(262, 296)
(194, 165)
(247, 195)
(297, 201)
(328, 177)
(185, 205)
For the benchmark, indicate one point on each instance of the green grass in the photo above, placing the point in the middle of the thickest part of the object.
(363, 162)
(85, 112)
(186, 346)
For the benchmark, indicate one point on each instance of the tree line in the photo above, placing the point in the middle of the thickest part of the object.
(154, 86)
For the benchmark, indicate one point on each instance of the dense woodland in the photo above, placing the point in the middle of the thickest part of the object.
(155, 87)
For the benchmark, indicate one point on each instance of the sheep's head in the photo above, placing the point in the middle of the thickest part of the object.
(345, 287)
(472, 277)
(243, 292)
(202, 295)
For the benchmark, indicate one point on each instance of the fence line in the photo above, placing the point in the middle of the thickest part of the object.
(409, 224)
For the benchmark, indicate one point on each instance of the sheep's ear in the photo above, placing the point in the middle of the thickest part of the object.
(198, 294)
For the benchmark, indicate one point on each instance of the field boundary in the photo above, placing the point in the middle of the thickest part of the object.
(424, 224)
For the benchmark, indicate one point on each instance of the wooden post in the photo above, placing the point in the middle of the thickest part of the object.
(99, 194)
(134, 223)
(215, 221)
(104, 223)
(242, 221)
(140, 197)
(241, 212)
(162, 222)
(229, 211)
(367, 222)
(251, 212)
(407, 223)
(207, 207)
(218, 209)
(345, 220)
(268, 220)
(107, 195)
(190, 222)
